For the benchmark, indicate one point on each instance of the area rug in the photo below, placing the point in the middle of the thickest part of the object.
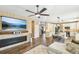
(41, 49)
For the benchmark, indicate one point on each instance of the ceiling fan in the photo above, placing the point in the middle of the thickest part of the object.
(38, 13)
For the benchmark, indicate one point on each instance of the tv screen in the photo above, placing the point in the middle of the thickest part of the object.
(12, 24)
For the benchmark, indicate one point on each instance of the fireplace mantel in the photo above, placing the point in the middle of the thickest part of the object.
(5, 36)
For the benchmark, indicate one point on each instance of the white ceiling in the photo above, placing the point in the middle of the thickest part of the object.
(62, 11)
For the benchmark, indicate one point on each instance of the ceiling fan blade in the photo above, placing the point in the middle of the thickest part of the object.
(31, 15)
(29, 11)
(44, 14)
(42, 10)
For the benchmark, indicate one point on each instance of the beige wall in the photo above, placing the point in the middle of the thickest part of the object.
(36, 34)
(49, 27)
(0, 24)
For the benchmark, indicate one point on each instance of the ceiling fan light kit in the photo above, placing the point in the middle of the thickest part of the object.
(37, 15)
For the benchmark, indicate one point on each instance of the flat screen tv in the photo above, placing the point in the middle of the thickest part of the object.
(12, 24)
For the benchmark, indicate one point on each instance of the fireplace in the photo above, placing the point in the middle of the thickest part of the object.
(10, 41)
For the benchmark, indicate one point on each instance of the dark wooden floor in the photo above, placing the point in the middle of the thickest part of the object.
(41, 40)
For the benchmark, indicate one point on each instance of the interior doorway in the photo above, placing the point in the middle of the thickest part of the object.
(42, 32)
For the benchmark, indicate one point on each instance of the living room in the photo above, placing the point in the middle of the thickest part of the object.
(39, 29)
